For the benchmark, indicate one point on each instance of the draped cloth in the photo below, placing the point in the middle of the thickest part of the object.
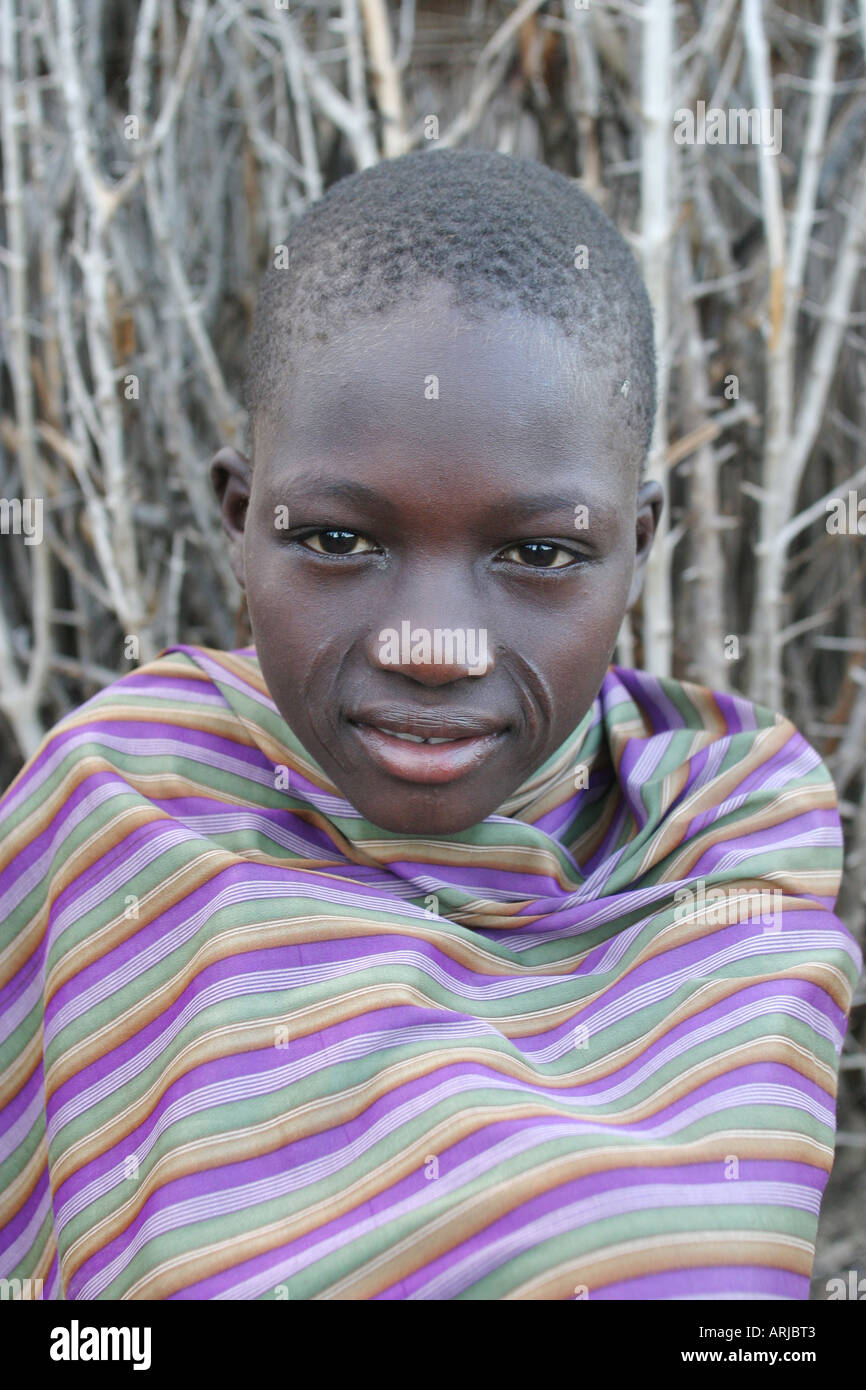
(254, 1046)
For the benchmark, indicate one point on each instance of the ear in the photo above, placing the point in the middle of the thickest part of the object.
(231, 477)
(649, 508)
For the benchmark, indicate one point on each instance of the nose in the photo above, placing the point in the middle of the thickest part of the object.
(432, 654)
(431, 627)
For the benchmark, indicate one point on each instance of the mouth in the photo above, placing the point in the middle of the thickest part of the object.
(433, 750)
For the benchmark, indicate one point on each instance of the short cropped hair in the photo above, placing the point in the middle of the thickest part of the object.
(502, 231)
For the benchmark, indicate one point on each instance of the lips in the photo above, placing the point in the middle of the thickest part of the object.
(423, 746)
(429, 723)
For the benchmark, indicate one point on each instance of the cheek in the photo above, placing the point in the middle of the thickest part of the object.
(576, 644)
(578, 621)
(273, 601)
(285, 595)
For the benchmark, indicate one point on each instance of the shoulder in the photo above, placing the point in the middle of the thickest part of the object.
(151, 712)
(688, 718)
(179, 678)
(723, 782)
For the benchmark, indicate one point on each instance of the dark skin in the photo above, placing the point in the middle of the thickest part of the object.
(450, 540)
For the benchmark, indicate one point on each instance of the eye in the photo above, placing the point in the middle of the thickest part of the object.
(336, 541)
(542, 555)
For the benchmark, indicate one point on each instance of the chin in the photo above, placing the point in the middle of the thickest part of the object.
(428, 820)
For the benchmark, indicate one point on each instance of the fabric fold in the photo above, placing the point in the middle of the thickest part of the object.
(254, 1046)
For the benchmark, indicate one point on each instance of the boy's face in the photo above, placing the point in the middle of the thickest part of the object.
(439, 475)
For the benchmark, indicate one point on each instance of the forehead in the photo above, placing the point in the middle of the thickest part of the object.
(431, 379)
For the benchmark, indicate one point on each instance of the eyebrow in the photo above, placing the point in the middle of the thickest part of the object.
(536, 503)
(524, 504)
(340, 489)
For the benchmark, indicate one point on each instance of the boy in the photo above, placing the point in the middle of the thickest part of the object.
(418, 952)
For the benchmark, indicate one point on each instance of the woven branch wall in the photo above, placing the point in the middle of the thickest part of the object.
(154, 154)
